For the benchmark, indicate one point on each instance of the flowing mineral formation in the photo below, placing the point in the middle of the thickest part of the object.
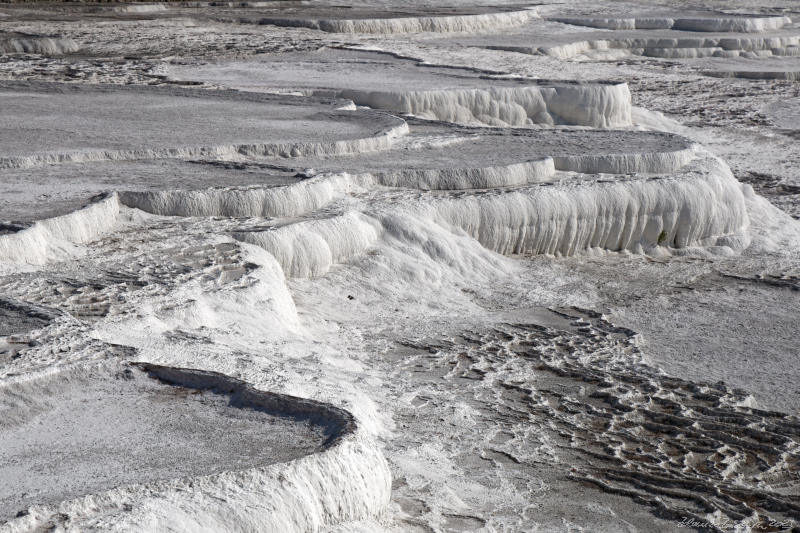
(384, 81)
(270, 266)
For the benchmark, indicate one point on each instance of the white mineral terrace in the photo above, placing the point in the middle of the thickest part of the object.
(19, 43)
(391, 21)
(775, 68)
(654, 43)
(455, 95)
(669, 38)
(111, 123)
(681, 21)
(213, 423)
(283, 266)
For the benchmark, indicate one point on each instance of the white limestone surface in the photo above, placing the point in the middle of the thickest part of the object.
(383, 81)
(110, 123)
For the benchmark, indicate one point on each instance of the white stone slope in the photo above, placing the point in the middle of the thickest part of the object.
(693, 206)
(701, 207)
(437, 24)
(59, 237)
(424, 155)
(753, 74)
(597, 105)
(403, 84)
(677, 47)
(718, 23)
(16, 43)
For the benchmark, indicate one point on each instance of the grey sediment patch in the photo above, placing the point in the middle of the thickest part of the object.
(91, 428)
(18, 317)
(785, 114)
(116, 123)
(755, 74)
(680, 448)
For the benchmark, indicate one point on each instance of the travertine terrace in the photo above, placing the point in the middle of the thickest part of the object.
(399, 266)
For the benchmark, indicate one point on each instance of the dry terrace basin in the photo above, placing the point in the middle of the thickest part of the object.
(121, 123)
(88, 429)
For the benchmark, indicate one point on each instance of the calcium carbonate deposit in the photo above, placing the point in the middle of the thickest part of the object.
(273, 266)
(384, 81)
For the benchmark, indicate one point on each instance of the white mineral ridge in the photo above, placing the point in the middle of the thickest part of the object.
(682, 46)
(700, 24)
(621, 163)
(703, 206)
(485, 160)
(754, 74)
(143, 8)
(381, 141)
(382, 81)
(595, 105)
(437, 24)
(772, 230)
(470, 178)
(222, 310)
(58, 237)
(699, 205)
(290, 201)
(309, 249)
(36, 44)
